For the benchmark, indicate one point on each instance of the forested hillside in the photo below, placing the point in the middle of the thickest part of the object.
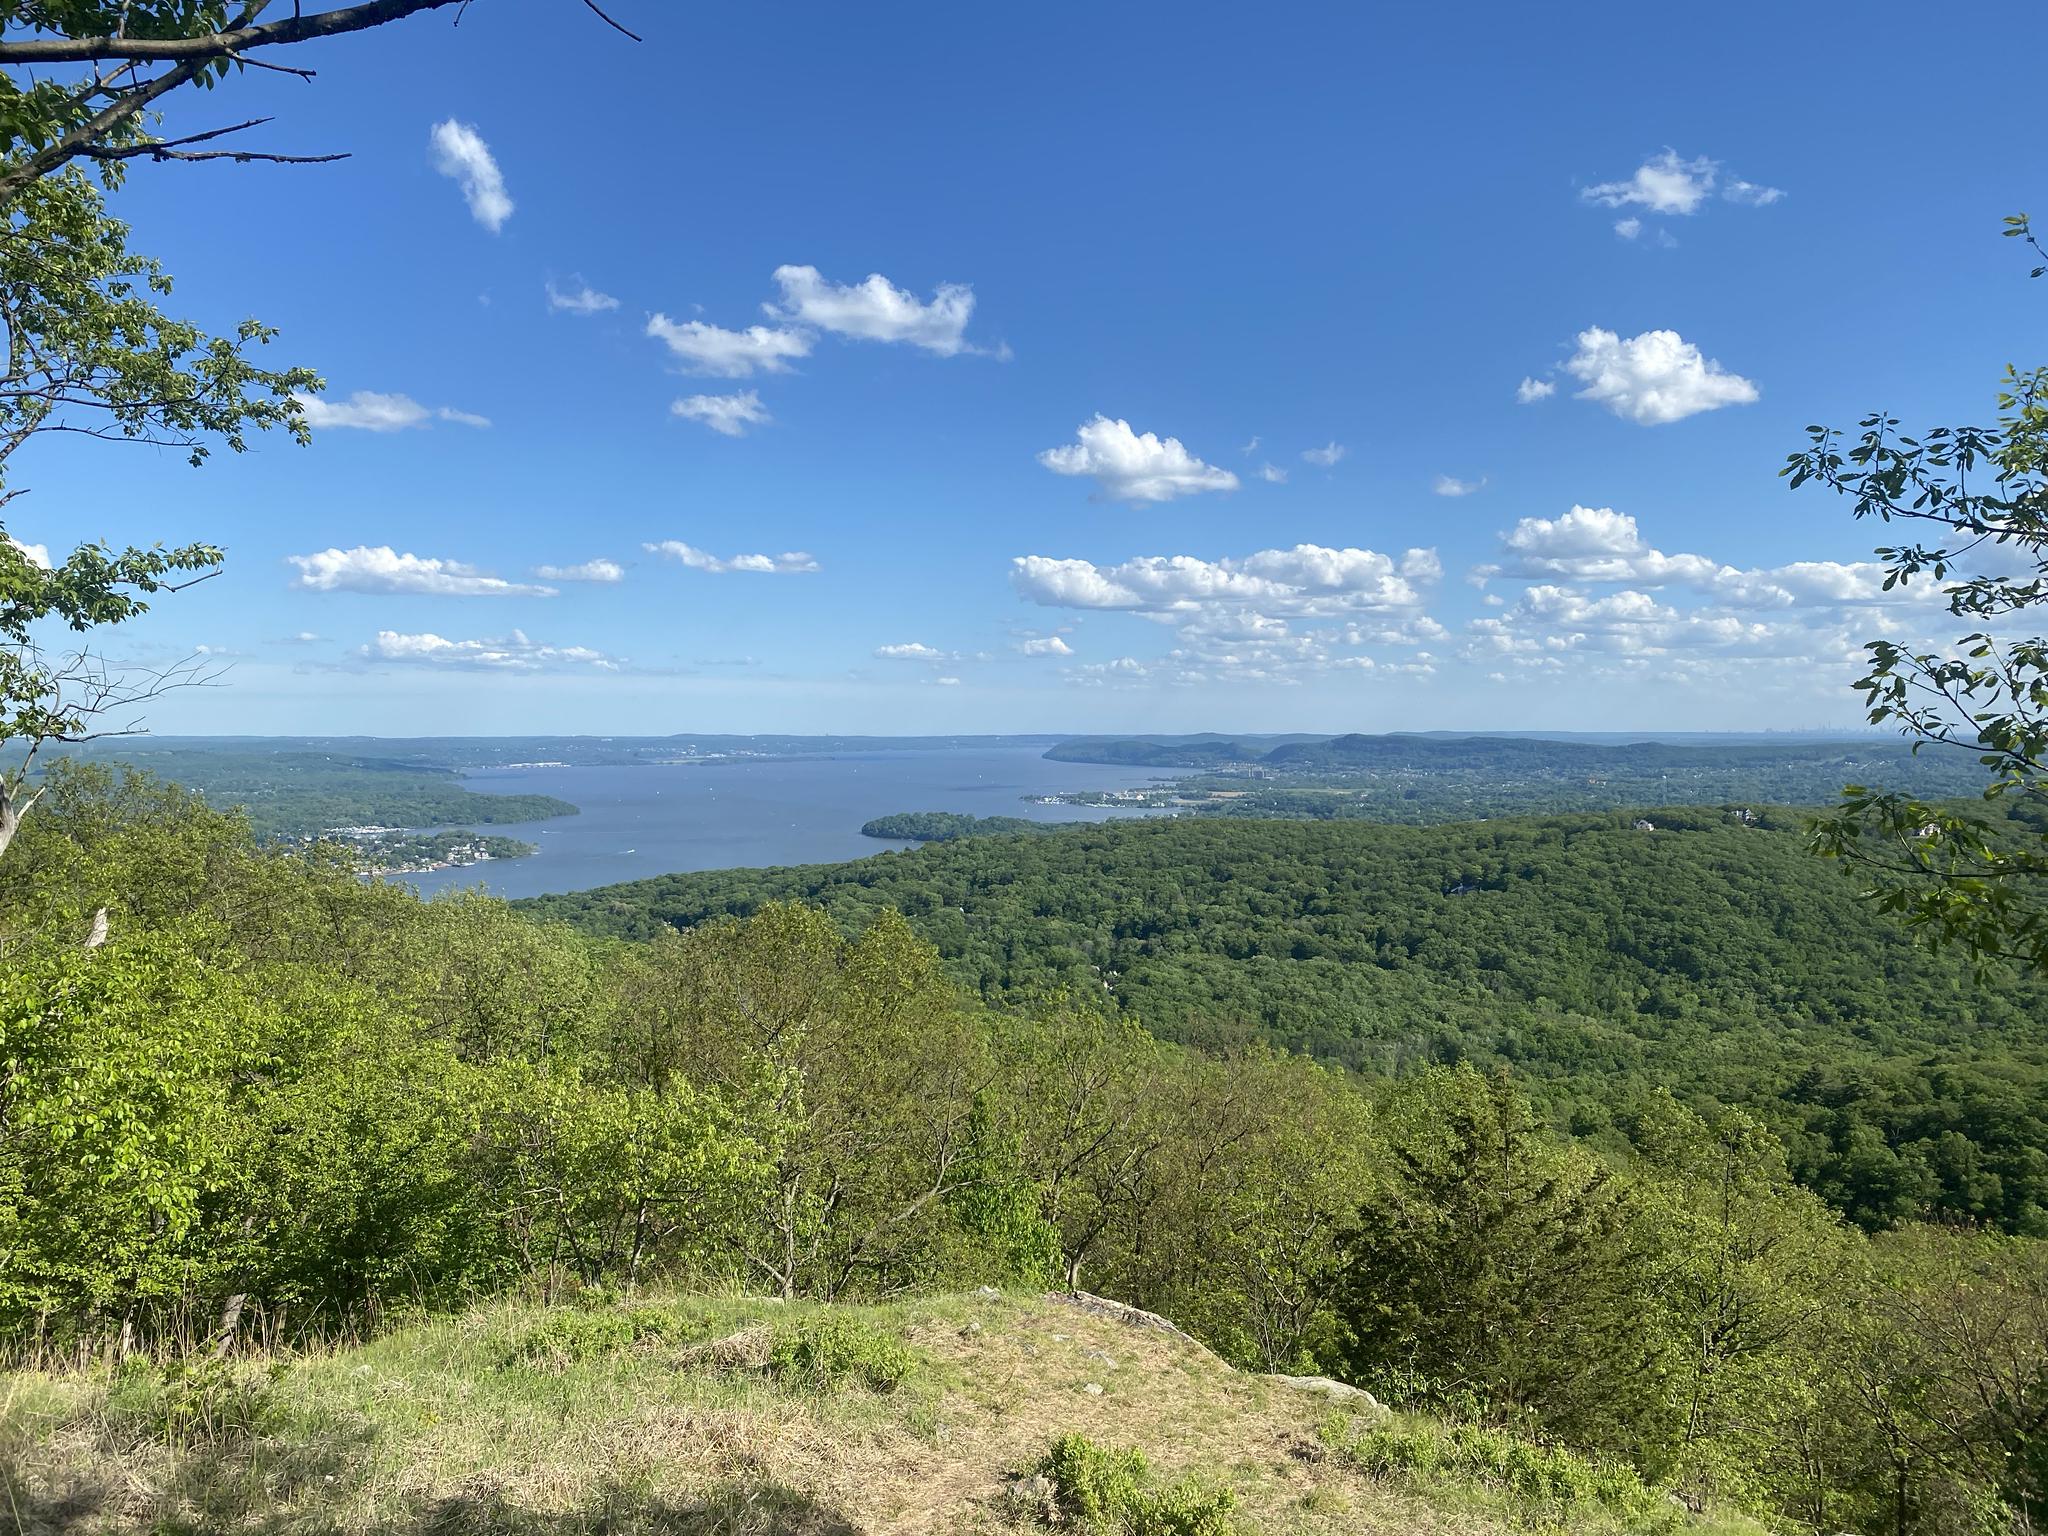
(303, 794)
(1707, 951)
(252, 1102)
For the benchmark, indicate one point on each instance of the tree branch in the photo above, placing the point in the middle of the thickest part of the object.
(220, 45)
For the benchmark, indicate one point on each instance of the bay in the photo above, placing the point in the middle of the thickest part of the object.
(639, 821)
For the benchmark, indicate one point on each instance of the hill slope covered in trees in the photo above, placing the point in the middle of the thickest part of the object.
(1713, 955)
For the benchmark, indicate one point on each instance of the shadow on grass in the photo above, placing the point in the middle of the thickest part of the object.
(215, 1494)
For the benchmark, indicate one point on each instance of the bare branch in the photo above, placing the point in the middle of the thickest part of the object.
(217, 45)
(608, 21)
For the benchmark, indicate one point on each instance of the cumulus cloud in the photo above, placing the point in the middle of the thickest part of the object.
(369, 411)
(461, 154)
(589, 570)
(876, 310)
(37, 555)
(511, 653)
(1451, 485)
(727, 354)
(790, 563)
(1599, 544)
(1663, 184)
(915, 650)
(1274, 616)
(1654, 378)
(1045, 645)
(382, 569)
(1272, 474)
(727, 415)
(1670, 186)
(1135, 467)
(1326, 455)
(1529, 391)
(1305, 580)
(581, 300)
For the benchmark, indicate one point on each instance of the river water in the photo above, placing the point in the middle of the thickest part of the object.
(641, 821)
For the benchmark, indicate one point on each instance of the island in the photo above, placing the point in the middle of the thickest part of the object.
(949, 826)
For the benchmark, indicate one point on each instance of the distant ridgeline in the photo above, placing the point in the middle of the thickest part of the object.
(305, 794)
(945, 826)
(1418, 779)
(1598, 957)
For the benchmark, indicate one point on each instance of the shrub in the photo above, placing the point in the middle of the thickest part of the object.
(188, 1404)
(572, 1336)
(1543, 1480)
(829, 1351)
(1107, 1491)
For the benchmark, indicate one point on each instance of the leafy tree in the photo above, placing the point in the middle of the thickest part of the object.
(117, 1073)
(1979, 497)
(134, 53)
(1497, 1270)
(90, 352)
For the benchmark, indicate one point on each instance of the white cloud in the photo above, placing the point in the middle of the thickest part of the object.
(1751, 193)
(512, 653)
(728, 415)
(1306, 581)
(1272, 474)
(1671, 187)
(1326, 455)
(1653, 378)
(1046, 645)
(583, 300)
(1276, 616)
(1251, 447)
(1663, 184)
(790, 563)
(915, 650)
(1529, 391)
(369, 411)
(37, 555)
(460, 153)
(589, 570)
(303, 637)
(383, 569)
(947, 682)
(729, 354)
(876, 309)
(1131, 466)
(1451, 485)
(1599, 544)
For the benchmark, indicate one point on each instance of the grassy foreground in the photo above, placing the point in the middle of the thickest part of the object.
(742, 1416)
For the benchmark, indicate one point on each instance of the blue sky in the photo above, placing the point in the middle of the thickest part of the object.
(976, 233)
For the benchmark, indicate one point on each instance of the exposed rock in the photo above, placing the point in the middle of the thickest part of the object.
(1093, 1389)
(1341, 1393)
(987, 1293)
(1034, 1495)
(1133, 1317)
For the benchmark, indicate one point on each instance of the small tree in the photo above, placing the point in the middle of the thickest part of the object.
(89, 352)
(1973, 880)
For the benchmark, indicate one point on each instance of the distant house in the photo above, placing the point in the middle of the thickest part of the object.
(1645, 826)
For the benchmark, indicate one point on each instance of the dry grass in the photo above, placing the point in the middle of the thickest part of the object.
(446, 1428)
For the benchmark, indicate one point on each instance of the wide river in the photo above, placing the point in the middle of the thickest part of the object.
(638, 822)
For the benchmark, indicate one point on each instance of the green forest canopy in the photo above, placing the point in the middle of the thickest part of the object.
(1712, 955)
